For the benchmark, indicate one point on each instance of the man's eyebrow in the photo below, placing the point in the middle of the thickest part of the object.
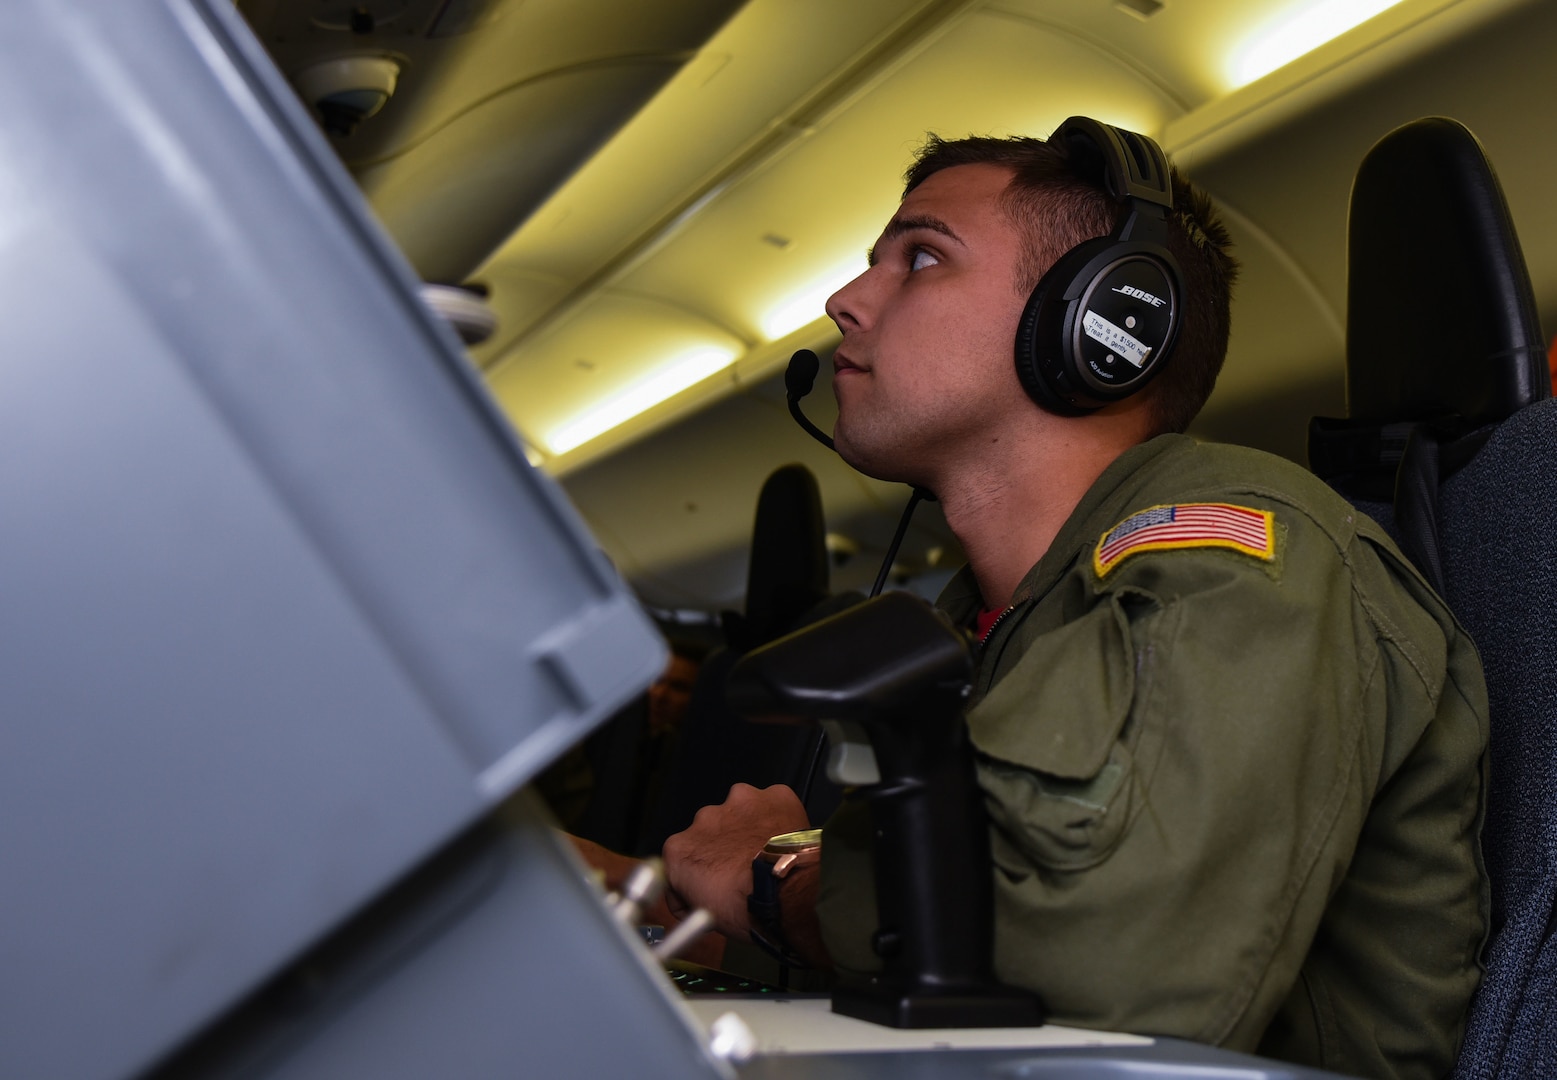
(898, 226)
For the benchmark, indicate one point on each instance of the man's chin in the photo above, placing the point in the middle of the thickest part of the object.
(878, 465)
(852, 454)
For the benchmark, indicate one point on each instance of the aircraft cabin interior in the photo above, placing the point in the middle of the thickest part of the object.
(391, 378)
(656, 200)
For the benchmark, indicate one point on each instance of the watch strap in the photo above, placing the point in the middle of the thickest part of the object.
(767, 915)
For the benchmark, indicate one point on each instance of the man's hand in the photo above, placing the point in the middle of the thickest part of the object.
(708, 950)
(709, 865)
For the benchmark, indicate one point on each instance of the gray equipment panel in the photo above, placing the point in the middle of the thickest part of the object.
(284, 609)
(495, 960)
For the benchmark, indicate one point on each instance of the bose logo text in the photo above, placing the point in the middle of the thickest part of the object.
(1139, 294)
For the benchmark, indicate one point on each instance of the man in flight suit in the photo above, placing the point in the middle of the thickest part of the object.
(1232, 746)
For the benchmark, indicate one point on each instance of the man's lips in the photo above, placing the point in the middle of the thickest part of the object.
(842, 364)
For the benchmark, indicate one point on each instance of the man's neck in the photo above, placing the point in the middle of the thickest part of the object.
(1007, 509)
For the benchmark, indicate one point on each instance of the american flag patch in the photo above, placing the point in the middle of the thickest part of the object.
(1188, 525)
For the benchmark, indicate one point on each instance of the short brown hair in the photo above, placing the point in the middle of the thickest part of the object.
(1056, 209)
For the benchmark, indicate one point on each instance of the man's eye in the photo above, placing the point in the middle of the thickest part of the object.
(921, 259)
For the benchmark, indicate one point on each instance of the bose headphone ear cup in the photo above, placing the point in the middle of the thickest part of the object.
(1103, 321)
(1040, 347)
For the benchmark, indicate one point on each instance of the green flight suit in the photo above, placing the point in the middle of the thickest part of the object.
(1233, 797)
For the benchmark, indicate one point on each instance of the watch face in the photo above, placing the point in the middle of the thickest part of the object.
(804, 840)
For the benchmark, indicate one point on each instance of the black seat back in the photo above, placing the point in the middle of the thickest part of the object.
(786, 584)
(1441, 320)
(789, 572)
(1451, 442)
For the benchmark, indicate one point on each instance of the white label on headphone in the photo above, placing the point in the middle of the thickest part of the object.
(1115, 339)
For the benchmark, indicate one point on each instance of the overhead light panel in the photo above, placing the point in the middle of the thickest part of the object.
(688, 370)
(1305, 28)
(807, 306)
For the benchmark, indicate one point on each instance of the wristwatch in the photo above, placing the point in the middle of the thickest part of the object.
(776, 861)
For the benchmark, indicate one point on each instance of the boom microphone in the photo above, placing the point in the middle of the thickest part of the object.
(799, 378)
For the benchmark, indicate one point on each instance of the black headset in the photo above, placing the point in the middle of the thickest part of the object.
(1104, 319)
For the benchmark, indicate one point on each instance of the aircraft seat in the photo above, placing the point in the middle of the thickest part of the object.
(1451, 443)
(787, 585)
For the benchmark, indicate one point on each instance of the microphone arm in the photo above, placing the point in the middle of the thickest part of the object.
(799, 377)
(897, 538)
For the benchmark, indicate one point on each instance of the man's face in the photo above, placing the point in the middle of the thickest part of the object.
(925, 372)
(670, 694)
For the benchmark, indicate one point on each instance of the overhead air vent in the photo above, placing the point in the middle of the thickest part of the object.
(461, 16)
(360, 18)
(1141, 9)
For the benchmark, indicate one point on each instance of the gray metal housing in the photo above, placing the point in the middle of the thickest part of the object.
(284, 609)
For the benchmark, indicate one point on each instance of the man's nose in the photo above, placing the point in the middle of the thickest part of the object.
(848, 308)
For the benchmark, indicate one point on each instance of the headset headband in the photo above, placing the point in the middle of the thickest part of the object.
(1130, 167)
(1127, 165)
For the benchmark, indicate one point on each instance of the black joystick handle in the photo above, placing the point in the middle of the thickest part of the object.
(899, 669)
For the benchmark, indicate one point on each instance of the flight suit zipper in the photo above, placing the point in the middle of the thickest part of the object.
(995, 625)
(988, 655)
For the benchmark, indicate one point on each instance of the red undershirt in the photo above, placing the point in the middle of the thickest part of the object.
(985, 620)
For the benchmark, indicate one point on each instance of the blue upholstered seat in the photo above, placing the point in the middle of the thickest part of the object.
(1452, 443)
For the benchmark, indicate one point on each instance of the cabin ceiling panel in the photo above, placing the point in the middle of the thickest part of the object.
(830, 193)
(615, 343)
(452, 196)
(745, 95)
(524, 40)
(1180, 47)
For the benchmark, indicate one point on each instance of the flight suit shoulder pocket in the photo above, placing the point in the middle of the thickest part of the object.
(1045, 822)
(1053, 762)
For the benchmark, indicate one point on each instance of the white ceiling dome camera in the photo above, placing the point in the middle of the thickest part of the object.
(345, 90)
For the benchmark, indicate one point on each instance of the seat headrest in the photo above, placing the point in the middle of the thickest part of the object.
(1441, 319)
(789, 572)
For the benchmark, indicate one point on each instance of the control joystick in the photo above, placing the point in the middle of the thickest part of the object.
(895, 671)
